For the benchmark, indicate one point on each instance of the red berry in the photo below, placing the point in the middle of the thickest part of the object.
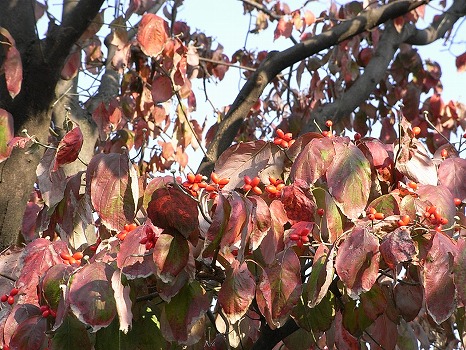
(357, 136)
(53, 313)
(284, 144)
(328, 123)
(304, 239)
(214, 177)
(457, 202)
(325, 133)
(371, 217)
(255, 181)
(43, 308)
(320, 212)
(149, 245)
(223, 182)
(46, 313)
(295, 237)
(65, 256)
(443, 221)
(444, 153)
(14, 291)
(210, 188)
(288, 136)
(280, 133)
(247, 180)
(11, 300)
(4, 298)
(277, 141)
(247, 187)
(143, 240)
(300, 244)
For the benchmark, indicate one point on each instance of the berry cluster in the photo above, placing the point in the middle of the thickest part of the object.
(301, 237)
(150, 239)
(252, 185)
(283, 140)
(275, 187)
(74, 259)
(194, 183)
(10, 298)
(127, 229)
(372, 214)
(216, 184)
(328, 133)
(47, 311)
(431, 213)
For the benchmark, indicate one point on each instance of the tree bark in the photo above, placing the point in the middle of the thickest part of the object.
(32, 107)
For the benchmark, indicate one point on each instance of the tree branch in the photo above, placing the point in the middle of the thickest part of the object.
(72, 27)
(269, 338)
(439, 28)
(277, 61)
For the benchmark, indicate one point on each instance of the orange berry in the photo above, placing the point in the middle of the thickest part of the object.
(371, 210)
(255, 181)
(247, 180)
(280, 133)
(379, 216)
(72, 261)
(444, 153)
(257, 190)
(198, 178)
(223, 182)
(328, 123)
(247, 187)
(277, 141)
(457, 202)
(78, 255)
(416, 130)
(210, 188)
(214, 177)
(284, 144)
(412, 185)
(371, 217)
(65, 256)
(406, 219)
(191, 177)
(288, 136)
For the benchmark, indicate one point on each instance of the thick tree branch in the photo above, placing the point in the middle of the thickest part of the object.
(72, 27)
(277, 61)
(366, 83)
(441, 26)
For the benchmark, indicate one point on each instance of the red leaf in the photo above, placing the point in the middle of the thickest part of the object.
(162, 89)
(349, 179)
(321, 275)
(261, 221)
(152, 34)
(171, 254)
(273, 241)
(51, 183)
(284, 28)
(357, 261)
(131, 257)
(12, 65)
(451, 175)
(459, 272)
(91, 296)
(408, 299)
(72, 65)
(19, 314)
(461, 63)
(383, 333)
(6, 134)
(397, 247)
(279, 288)
(123, 302)
(237, 291)
(69, 148)
(182, 314)
(438, 278)
(215, 236)
(113, 187)
(171, 209)
(314, 160)
(30, 334)
(298, 201)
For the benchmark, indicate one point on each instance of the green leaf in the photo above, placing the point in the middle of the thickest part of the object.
(318, 318)
(71, 335)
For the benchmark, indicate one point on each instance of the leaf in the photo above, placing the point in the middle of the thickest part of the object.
(38, 257)
(459, 269)
(397, 247)
(71, 335)
(461, 63)
(49, 291)
(349, 179)
(332, 222)
(132, 258)
(261, 221)
(12, 65)
(284, 28)
(91, 296)
(69, 148)
(298, 201)
(321, 275)
(52, 184)
(408, 300)
(217, 229)
(343, 339)
(451, 175)
(279, 288)
(357, 262)
(30, 334)
(313, 161)
(6, 134)
(162, 89)
(438, 278)
(112, 185)
(237, 291)
(19, 313)
(249, 158)
(123, 302)
(273, 241)
(318, 318)
(152, 35)
(414, 162)
(384, 333)
(172, 209)
(72, 65)
(183, 312)
(171, 254)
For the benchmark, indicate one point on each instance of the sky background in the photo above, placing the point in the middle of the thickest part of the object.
(225, 22)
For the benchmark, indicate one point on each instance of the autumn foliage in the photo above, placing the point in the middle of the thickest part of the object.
(344, 240)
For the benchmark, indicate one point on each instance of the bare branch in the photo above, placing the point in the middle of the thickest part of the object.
(277, 61)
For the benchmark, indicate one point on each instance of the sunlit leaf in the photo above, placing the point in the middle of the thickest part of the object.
(451, 175)
(52, 184)
(217, 229)
(438, 278)
(397, 247)
(261, 220)
(349, 179)
(237, 291)
(357, 262)
(12, 64)
(171, 254)
(321, 275)
(152, 34)
(6, 134)
(459, 272)
(122, 301)
(69, 148)
(91, 296)
(112, 185)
